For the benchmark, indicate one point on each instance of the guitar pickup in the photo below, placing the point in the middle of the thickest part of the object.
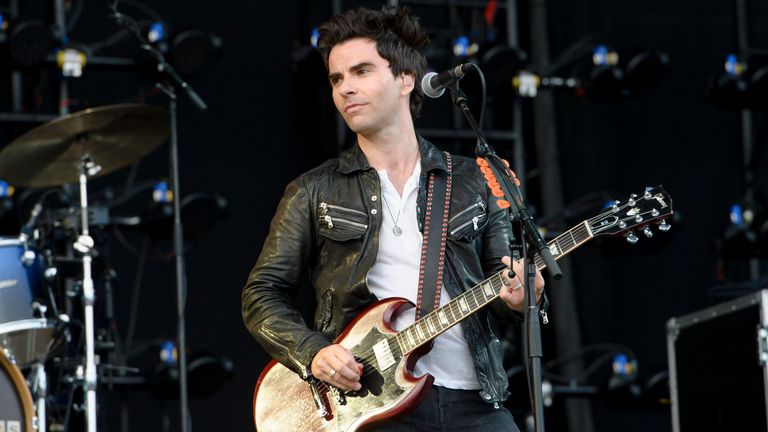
(383, 353)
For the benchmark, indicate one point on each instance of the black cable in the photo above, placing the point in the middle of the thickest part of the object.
(75, 15)
(135, 292)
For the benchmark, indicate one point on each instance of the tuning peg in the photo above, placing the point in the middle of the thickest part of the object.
(664, 226)
(638, 217)
(615, 206)
(631, 237)
(647, 195)
(647, 231)
(632, 201)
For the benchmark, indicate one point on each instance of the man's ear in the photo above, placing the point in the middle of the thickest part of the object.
(407, 83)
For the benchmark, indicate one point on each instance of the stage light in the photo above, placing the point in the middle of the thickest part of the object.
(190, 51)
(741, 84)
(645, 70)
(741, 237)
(71, 62)
(464, 47)
(156, 32)
(29, 42)
(314, 36)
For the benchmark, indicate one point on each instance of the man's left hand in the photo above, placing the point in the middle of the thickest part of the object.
(511, 293)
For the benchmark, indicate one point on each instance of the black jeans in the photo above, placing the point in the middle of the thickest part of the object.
(446, 410)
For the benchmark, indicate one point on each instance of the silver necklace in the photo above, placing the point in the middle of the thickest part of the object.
(396, 229)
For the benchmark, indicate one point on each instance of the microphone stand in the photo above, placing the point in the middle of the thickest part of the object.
(178, 232)
(531, 235)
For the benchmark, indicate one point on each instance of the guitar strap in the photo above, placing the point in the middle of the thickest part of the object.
(433, 246)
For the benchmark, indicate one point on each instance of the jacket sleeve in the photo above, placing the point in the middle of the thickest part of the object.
(496, 240)
(267, 310)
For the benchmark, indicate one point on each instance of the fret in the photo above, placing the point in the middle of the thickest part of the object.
(573, 239)
(399, 339)
(430, 325)
(473, 292)
(423, 326)
(487, 291)
(420, 334)
(443, 318)
(463, 305)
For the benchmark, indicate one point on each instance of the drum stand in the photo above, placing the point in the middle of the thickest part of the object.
(39, 385)
(84, 245)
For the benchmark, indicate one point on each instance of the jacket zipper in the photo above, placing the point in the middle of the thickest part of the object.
(325, 206)
(330, 220)
(475, 222)
(477, 204)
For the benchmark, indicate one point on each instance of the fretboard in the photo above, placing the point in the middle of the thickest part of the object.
(469, 302)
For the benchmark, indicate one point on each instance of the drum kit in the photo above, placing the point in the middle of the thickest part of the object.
(33, 325)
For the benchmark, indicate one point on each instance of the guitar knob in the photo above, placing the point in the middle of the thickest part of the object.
(647, 231)
(631, 238)
(664, 226)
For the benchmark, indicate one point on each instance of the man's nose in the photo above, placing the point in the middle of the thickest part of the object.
(347, 87)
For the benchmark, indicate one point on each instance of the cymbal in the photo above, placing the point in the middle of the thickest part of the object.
(113, 136)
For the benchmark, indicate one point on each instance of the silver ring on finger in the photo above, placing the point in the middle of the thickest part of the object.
(332, 373)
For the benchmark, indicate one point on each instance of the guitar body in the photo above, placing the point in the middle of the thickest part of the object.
(284, 402)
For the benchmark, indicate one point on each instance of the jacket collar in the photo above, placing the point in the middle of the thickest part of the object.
(354, 159)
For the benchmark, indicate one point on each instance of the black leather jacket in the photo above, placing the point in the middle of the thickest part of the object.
(328, 223)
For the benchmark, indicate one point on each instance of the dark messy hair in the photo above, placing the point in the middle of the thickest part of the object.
(398, 37)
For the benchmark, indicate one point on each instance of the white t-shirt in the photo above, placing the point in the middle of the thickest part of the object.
(396, 274)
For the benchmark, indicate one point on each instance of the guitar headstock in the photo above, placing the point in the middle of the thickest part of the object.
(640, 211)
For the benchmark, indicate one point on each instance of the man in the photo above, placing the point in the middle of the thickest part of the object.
(355, 223)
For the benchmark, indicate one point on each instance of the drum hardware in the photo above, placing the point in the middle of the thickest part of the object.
(16, 406)
(72, 149)
(38, 381)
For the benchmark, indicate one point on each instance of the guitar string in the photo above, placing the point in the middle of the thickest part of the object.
(369, 356)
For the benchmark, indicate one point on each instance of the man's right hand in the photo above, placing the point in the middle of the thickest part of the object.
(336, 365)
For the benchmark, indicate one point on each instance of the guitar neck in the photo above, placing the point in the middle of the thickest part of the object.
(441, 319)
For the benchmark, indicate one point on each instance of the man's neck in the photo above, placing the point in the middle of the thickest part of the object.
(395, 152)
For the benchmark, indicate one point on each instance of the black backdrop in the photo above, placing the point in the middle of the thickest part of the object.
(269, 120)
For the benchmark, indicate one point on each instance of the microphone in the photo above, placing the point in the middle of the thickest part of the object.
(433, 84)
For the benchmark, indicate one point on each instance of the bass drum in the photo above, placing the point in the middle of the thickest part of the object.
(16, 408)
(24, 337)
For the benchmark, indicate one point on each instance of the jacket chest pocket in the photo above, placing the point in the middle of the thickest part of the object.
(468, 221)
(341, 223)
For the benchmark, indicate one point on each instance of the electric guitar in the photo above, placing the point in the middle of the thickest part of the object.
(284, 402)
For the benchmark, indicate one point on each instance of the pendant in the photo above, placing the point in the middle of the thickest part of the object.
(397, 230)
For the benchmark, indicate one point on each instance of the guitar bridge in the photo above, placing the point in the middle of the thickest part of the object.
(341, 399)
(322, 408)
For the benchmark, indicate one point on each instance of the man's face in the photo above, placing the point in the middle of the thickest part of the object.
(365, 92)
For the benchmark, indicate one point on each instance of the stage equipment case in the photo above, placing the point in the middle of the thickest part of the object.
(718, 366)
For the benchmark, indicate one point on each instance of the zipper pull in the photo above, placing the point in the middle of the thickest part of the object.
(329, 221)
(544, 317)
(475, 220)
(323, 207)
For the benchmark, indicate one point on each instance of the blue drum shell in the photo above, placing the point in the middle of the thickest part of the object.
(19, 283)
